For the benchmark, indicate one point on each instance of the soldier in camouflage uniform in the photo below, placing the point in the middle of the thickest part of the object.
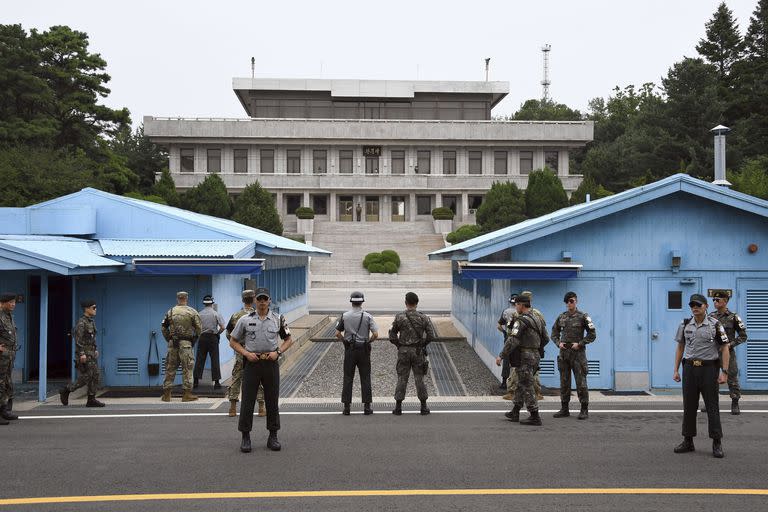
(86, 357)
(507, 317)
(411, 332)
(737, 334)
(568, 334)
(237, 372)
(528, 334)
(8, 350)
(181, 327)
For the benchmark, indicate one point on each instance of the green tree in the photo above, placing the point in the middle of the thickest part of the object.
(589, 186)
(546, 110)
(256, 208)
(545, 193)
(723, 43)
(752, 177)
(504, 205)
(209, 197)
(142, 156)
(166, 188)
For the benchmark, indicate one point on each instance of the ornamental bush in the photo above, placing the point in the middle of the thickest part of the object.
(376, 268)
(390, 268)
(442, 213)
(387, 261)
(390, 255)
(305, 212)
(463, 233)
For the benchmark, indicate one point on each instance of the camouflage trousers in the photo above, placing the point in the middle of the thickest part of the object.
(573, 361)
(410, 358)
(512, 382)
(733, 376)
(87, 373)
(529, 366)
(233, 393)
(176, 356)
(6, 376)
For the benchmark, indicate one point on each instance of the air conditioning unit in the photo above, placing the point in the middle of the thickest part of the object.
(472, 211)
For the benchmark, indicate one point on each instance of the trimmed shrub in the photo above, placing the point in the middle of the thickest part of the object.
(371, 257)
(387, 261)
(442, 213)
(305, 212)
(376, 268)
(390, 255)
(390, 268)
(463, 233)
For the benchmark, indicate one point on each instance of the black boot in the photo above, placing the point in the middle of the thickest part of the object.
(717, 449)
(686, 446)
(195, 383)
(367, 409)
(584, 414)
(64, 396)
(216, 385)
(92, 402)
(534, 419)
(272, 443)
(345, 412)
(245, 444)
(424, 408)
(398, 410)
(6, 414)
(735, 407)
(10, 404)
(3, 421)
(563, 412)
(514, 414)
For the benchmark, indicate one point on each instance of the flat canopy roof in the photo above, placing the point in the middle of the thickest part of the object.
(539, 271)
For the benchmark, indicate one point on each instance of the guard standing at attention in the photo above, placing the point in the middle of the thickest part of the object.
(257, 337)
(181, 327)
(737, 334)
(568, 333)
(237, 372)
(411, 332)
(213, 325)
(8, 348)
(353, 328)
(702, 348)
(87, 357)
(506, 319)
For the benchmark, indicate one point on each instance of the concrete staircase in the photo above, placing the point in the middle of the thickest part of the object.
(351, 241)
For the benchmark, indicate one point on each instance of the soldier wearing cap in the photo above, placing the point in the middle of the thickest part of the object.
(257, 337)
(237, 372)
(213, 325)
(568, 333)
(411, 332)
(529, 334)
(702, 348)
(353, 327)
(181, 327)
(8, 348)
(737, 334)
(86, 357)
(514, 358)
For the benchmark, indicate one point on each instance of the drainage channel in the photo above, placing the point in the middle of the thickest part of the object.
(290, 383)
(444, 374)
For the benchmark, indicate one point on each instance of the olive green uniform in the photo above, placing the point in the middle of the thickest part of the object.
(181, 328)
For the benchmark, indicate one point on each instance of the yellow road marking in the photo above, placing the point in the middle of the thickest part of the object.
(375, 492)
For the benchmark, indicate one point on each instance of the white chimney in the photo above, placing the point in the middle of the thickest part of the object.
(720, 132)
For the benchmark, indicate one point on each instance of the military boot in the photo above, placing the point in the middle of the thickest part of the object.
(216, 385)
(262, 409)
(514, 414)
(367, 410)
(3, 421)
(188, 396)
(272, 442)
(6, 414)
(10, 404)
(686, 446)
(717, 449)
(563, 412)
(195, 383)
(735, 407)
(232, 408)
(398, 410)
(64, 396)
(424, 409)
(245, 443)
(166, 395)
(584, 413)
(346, 412)
(534, 419)
(92, 402)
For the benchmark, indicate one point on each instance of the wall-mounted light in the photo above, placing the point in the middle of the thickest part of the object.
(752, 248)
(676, 260)
(566, 256)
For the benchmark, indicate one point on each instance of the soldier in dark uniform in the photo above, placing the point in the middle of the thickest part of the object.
(505, 319)
(8, 350)
(257, 337)
(737, 334)
(353, 328)
(527, 334)
(568, 334)
(86, 357)
(702, 348)
(411, 332)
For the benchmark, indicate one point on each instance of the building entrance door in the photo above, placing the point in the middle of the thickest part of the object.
(398, 209)
(371, 209)
(346, 209)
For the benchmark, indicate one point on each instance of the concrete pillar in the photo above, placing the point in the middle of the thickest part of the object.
(333, 208)
(279, 205)
(464, 206)
(305, 199)
(412, 206)
(42, 382)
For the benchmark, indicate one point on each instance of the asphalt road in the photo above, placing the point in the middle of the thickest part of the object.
(433, 461)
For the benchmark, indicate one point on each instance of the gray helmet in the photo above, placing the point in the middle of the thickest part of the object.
(356, 297)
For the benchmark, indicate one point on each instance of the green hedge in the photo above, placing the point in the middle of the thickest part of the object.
(442, 213)
(387, 261)
(305, 212)
(463, 233)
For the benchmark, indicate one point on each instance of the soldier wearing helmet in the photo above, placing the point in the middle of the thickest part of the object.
(353, 328)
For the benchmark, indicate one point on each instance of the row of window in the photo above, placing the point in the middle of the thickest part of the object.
(424, 203)
(346, 159)
(326, 109)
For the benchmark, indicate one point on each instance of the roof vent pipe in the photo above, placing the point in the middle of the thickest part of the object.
(720, 132)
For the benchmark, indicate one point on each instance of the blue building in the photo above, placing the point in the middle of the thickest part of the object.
(131, 256)
(633, 259)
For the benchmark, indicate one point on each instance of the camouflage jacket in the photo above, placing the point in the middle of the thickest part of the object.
(412, 328)
(733, 325)
(570, 328)
(234, 318)
(528, 332)
(85, 336)
(8, 332)
(181, 323)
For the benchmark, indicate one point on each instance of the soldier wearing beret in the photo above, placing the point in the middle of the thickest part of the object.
(737, 334)
(237, 372)
(8, 350)
(181, 327)
(86, 357)
(702, 349)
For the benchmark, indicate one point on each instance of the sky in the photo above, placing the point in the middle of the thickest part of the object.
(177, 58)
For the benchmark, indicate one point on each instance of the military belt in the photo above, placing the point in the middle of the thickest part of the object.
(529, 349)
(701, 362)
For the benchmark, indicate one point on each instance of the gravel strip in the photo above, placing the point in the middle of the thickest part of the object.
(477, 378)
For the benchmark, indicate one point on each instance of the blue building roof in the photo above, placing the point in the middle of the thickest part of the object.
(566, 218)
(56, 254)
(177, 248)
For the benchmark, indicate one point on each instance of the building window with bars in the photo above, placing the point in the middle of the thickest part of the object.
(267, 161)
(423, 162)
(551, 160)
(345, 161)
(320, 161)
(293, 160)
(371, 165)
(475, 162)
(526, 162)
(500, 162)
(398, 162)
(187, 159)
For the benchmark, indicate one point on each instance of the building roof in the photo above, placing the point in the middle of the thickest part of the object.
(566, 218)
(66, 256)
(177, 248)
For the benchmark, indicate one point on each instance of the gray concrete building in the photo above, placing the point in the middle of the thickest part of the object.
(396, 149)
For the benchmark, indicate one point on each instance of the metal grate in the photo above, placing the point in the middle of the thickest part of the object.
(444, 374)
(162, 368)
(301, 369)
(757, 360)
(594, 368)
(547, 368)
(127, 366)
(757, 309)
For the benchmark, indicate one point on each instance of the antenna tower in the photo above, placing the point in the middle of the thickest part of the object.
(545, 83)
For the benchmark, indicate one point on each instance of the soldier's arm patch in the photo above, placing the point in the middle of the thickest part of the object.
(515, 328)
(590, 324)
(285, 332)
